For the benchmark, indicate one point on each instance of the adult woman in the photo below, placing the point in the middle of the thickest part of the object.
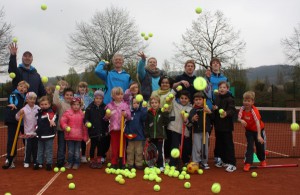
(148, 75)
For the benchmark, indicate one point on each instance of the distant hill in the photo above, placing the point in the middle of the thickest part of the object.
(269, 71)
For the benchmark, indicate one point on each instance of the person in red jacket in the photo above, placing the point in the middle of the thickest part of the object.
(250, 118)
(75, 131)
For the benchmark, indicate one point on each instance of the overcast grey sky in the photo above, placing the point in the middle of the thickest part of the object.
(263, 23)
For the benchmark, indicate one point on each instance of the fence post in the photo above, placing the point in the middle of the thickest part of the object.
(294, 132)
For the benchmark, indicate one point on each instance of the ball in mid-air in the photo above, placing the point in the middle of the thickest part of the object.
(143, 34)
(187, 185)
(254, 174)
(71, 186)
(175, 153)
(15, 40)
(69, 176)
(198, 10)
(193, 167)
(216, 188)
(45, 79)
(150, 34)
(12, 75)
(156, 188)
(200, 83)
(44, 7)
(179, 88)
(294, 126)
(139, 98)
(146, 38)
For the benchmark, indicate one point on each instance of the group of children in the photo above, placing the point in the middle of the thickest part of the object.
(76, 118)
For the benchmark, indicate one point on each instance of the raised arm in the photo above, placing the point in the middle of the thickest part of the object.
(100, 72)
(12, 66)
(56, 100)
(141, 66)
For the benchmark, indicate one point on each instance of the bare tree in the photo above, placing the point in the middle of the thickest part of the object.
(211, 35)
(111, 31)
(5, 39)
(73, 78)
(291, 46)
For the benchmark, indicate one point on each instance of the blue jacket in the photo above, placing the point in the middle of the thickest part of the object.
(17, 99)
(112, 79)
(137, 123)
(31, 76)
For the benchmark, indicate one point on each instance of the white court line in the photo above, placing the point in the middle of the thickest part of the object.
(49, 183)
(3, 155)
(280, 154)
(3, 127)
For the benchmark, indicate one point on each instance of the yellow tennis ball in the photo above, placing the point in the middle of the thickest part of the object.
(156, 188)
(175, 153)
(72, 186)
(294, 126)
(150, 34)
(216, 91)
(44, 7)
(68, 129)
(187, 185)
(200, 171)
(216, 188)
(139, 98)
(56, 169)
(186, 115)
(200, 83)
(15, 39)
(221, 111)
(162, 109)
(143, 34)
(45, 79)
(12, 75)
(57, 87)
(181, 177)
(62, 169)
(158, 179)
(70, 176)
(254, 174)
(88, 125)
(107, 111)
(179, 88)
(198, 10)
(146, 37)
(187, 176)
(7, 193)
(171, 95)
(144, 104)
(166, 106)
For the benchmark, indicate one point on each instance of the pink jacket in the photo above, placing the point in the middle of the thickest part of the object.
(115, 118)
(75, 121)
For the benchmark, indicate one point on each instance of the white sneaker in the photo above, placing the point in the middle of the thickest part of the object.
(204, 165)
(83, 159)
(162, 169)
(26, 165)
(230, 168)
(218, 163)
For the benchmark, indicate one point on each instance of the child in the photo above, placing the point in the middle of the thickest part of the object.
(250, 118)
(155, 128)
(63, 85)
(177, 120)
(15, 103)
(118, 108)
(49, 92)
(62, 106)
(75, 131)
(31, 142)
(45, 132)
(196, 118)
(98, 131)
(224, 104)
(131, 92)
(136, 126)
(82, 93)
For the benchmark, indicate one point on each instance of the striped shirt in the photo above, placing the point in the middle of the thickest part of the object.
(252, 118)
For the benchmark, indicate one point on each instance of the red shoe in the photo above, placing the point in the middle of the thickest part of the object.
(263, 163)
(247, 167)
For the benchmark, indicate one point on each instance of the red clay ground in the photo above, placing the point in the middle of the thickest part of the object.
(90, 181)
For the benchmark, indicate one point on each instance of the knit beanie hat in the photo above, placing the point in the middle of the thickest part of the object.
(99, 93)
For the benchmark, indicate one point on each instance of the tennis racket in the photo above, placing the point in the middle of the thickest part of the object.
(150, 154)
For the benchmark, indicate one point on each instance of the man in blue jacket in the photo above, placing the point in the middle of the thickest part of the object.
(25, 71)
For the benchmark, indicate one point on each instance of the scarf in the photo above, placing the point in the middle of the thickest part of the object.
(154, 73)
(163, 92)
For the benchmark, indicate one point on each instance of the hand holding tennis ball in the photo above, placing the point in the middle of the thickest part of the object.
(166, 106)
(57, 87)
(108, 112)
(179, 88)
(144, 104)
(68, 129)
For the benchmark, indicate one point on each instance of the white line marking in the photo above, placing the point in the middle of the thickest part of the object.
(3, 155)
(49, 183)
(280, 154)
(3, 127)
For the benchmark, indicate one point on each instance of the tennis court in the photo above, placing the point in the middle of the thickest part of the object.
(283, 147)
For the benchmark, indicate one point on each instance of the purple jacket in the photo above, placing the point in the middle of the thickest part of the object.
(115, 118)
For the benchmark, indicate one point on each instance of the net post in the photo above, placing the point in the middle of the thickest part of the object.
(294, 132)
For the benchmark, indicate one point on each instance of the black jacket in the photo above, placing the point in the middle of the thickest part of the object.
(18, 100)
(198, 125)
(95, 114)
(31, 76)
(43, 130)
(155, 125)
(225, 102)
(189, 79)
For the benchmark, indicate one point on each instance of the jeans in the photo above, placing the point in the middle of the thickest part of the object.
(61, 147)
(74, 152)
(45, 148)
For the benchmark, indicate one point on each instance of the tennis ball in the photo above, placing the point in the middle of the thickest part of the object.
(187, 185)
(144, 104)
(173, 168)
(166, 172)
(88, 125)
(133, 170)
(122, 181)
(184, 168)
(139, 98)
(181, 177)
(187, 176)
(15, 39)
(198, 10)
(45, 79)
(166, 106)
(107, 111)
(171, 95)
(62, 169)
(117, 178)
(175, 153)
(57, 87)
(216, 91)
(216, 188)
(7, 193)
(146, 37)
(151, 177)
(150, 34)
(158, 179)
(179, 88)
(221, 111)
(156, 188)
(162, 109)
(68, 129)
(254, 174)
(200, 83)
(200, 171)
(107, 170)
(44, 7)
(143, 34)
(294, 126)
(12, 75)
(56, 169)
(183, 173)
(69, 176)
(186, 115)
(175, 174)
(71, 186)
